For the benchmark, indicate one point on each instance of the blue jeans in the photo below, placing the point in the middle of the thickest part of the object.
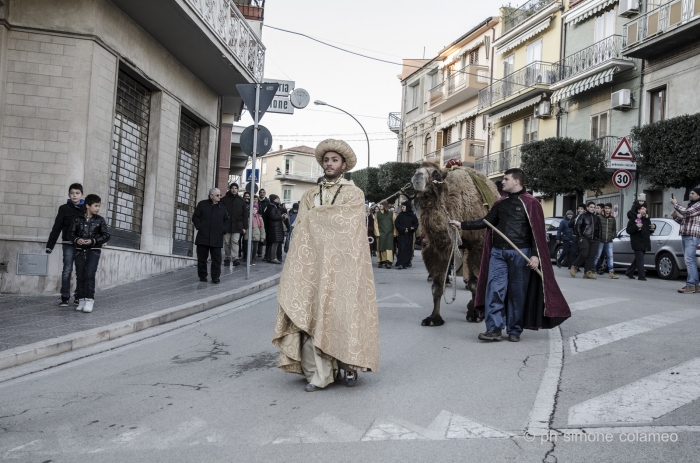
(68, 259)
(690, 244)
(608, 252)
(86, 261)
(508, 277)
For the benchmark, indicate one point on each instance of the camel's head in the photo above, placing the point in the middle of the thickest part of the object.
(427, 175)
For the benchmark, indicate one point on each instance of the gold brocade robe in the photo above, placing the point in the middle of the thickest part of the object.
(327, 284)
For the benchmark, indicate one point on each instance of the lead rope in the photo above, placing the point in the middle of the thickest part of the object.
(456, 240)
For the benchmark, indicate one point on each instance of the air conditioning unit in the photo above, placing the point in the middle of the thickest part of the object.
(628, 8)
(543, 109)
(622, 99)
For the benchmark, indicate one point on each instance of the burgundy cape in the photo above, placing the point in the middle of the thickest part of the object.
(545, 306)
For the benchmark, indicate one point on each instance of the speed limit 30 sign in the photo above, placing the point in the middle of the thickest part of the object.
(622, 179)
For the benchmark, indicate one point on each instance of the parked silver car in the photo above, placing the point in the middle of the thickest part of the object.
(666, 256)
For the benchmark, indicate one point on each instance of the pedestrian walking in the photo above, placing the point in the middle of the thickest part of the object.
(639, 229)
(580, 209)
(565, 236)
(689, 218)
(608, 231)
(587, 229)
(406, 224)
(384, 232)
(74, 206)
(327, 318)
(263, 203)
(237, 224)
(274, 229)
(504, 291)
(211, 220)
(88, 233)
(257, 237)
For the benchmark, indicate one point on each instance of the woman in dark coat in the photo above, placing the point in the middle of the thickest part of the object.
(406, 224)
(274, 228)
(640, 229)
(370, 232)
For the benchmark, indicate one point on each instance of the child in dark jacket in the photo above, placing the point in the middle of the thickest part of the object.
(88, 233)
(73, 207)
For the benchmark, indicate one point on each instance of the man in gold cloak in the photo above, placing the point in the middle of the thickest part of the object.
(327, 318)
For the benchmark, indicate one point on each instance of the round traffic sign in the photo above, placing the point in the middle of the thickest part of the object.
(264, 140)
(622, 179)
(299, 98)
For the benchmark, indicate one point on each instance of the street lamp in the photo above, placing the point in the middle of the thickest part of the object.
(323, 103)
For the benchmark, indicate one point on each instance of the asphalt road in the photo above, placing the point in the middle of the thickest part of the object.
(627, 364)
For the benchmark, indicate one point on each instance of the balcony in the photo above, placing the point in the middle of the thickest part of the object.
(496, 163)
(466, 150)
(459, 87)
(394, 122)
(519, 86)
(590, 66)
(608, 145)
(209, 37)
(518, 16)
(298, 176)
(663, 29)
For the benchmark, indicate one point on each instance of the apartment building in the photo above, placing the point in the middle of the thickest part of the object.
(289, 173)
(104, 93)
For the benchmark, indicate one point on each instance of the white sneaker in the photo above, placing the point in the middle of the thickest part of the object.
(81, 305)
(88, 305)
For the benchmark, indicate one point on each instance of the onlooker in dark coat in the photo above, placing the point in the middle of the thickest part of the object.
(640, 230)
(274, 228)
(237, 225)
(565, 235)
(73, 207)
(211, 221)
(587, 229)
(641, 201)
(263, 203)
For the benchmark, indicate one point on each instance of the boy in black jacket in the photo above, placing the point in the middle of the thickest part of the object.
(88, 233)
(64, 219)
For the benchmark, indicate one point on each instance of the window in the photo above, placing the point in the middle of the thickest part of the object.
(412, 97)
(599, 125)
(533, 52)
(505, 137)
(186, 186)
(508, 65)
(287, 195)
(657, 104)
(287, 166)
(605, 25)
(428, 144)
(409, 152)
(470, 129)
(531, 126)
(448, 136)
(128, 169)
(474, 57)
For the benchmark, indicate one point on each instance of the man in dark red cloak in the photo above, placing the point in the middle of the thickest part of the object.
(514, 296)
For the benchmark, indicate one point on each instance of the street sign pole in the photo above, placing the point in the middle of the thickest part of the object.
(255, 152)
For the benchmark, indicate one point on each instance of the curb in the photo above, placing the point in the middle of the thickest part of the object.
(47, 348)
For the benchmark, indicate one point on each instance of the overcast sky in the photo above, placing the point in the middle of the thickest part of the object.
(370, 90)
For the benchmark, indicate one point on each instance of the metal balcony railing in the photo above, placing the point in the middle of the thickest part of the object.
(533, 74)
(657, 20)
(394, 122)
(452, 151)
(590, 57)
(228, 24)
(526, 10)
(432, 156)
(498, 162)
(476, 151)
(609, 143)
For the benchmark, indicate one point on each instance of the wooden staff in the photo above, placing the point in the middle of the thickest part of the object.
(514, 246)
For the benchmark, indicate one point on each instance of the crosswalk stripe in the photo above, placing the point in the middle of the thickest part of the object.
(593, 303)
(643, 400)
(606, 335)
(405, 302)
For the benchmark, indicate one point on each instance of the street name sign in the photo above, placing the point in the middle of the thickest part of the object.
(623, 157)
(281, 105)
(285, 86)
(249, 175)
(622, 179)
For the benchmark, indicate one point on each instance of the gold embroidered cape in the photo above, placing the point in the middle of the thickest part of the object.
(327, 284)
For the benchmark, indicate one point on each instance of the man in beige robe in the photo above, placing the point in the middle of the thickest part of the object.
(327, 318)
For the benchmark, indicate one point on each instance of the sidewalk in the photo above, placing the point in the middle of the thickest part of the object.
(33, 327)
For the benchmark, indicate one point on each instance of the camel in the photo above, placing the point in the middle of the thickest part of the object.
(453, 193)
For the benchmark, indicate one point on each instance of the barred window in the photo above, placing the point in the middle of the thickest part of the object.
(186, 186)
(470, 129)
(128, 168)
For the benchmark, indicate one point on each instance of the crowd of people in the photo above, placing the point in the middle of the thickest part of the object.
(392, 234)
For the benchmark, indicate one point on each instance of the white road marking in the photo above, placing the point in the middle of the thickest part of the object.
(644, 400)
(543, 408)
(593, 303)
(405, 302)
(600, 337)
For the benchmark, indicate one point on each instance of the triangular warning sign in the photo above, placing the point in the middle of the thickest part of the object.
(623, 152)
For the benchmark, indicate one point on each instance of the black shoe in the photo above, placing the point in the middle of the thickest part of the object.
(64, 302)
(216, 282)
(227, 262)
(558, 264)
(236, 263)
(350, 378)
(204, 280)
(514, 337)
(642, 279)
(490, 335)
(631, 277)
(76, 301)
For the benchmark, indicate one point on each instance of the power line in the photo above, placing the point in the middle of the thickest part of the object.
(330, 134)
(276, 139)
(340, 114)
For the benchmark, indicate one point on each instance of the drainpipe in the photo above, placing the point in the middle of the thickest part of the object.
(493, 59)
(639, 123)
